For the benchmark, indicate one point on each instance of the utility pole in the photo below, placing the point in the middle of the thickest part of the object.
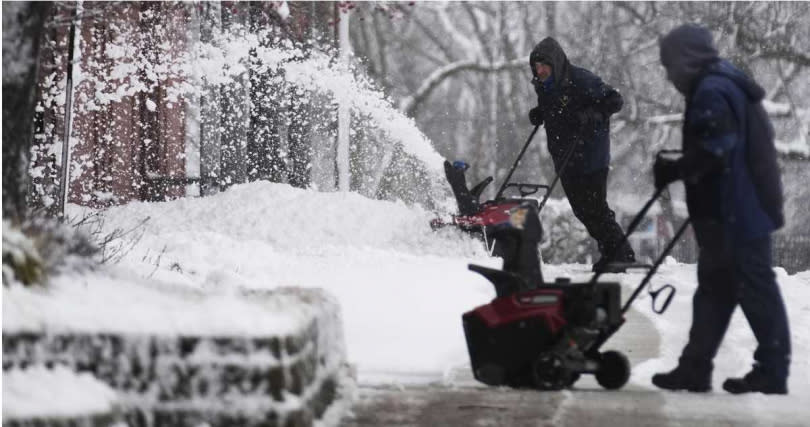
(64, 179)
(344, 116)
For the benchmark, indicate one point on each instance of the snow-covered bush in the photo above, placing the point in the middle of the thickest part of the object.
(40, 247)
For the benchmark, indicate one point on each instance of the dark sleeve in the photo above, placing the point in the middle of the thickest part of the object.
(712, 122)
(603, 98)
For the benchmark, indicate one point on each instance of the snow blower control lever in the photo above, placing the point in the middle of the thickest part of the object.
(529, 189)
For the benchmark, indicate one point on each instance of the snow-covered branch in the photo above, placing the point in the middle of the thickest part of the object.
(409, 104)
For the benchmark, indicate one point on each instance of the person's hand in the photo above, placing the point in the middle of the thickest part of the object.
(666, 171)
(536, 116)
(589, 117)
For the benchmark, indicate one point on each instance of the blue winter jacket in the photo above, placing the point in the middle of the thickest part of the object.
(724, 117)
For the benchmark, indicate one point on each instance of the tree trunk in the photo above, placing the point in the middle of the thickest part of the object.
(23, 24)
(343, 110)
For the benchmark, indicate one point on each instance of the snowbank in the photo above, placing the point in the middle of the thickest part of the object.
(38, 392)
(393, 276)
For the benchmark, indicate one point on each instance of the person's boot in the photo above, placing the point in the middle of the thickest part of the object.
(618, 265)
(756, 381)
(688, 375)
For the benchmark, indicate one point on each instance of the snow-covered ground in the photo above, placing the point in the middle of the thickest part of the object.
(401, 286)
(60, 390)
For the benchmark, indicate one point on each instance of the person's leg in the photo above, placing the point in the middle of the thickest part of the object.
(587, 195)
(716, 295)
(712, 306)
(762, 304)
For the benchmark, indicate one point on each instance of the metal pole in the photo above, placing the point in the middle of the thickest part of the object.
(64, 179)
(568, 156)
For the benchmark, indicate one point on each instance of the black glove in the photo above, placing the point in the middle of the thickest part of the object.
(666, 171)
(536, 116)
(589, 117)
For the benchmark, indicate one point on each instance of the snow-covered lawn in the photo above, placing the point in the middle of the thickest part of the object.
(402, 287)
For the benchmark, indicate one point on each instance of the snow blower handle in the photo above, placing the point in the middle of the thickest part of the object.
(528, 189)
(514, 166)
(654, 294)
(567, 158)
(667, 290)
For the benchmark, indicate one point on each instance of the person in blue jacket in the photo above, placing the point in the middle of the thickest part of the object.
(734, 198)
(575, 106)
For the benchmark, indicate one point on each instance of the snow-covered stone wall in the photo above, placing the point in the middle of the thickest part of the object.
(286, 379)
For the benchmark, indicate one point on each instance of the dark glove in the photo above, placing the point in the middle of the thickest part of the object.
(666, 171)
(536, 116)
(589, 117)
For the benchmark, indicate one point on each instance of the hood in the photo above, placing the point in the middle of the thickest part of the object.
(550, 52)
(752, 89)
(685, 53)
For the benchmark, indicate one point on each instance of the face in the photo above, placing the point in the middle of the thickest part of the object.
(543, 71)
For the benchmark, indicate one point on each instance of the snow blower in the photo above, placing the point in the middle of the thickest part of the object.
(481, 219)
(546, 335)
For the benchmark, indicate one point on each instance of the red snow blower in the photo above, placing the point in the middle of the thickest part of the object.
(481, 219)
(545, 335)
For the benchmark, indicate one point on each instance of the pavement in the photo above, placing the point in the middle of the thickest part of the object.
(461, 401)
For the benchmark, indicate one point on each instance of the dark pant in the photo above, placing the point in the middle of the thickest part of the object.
(730, 274)
(587, 195)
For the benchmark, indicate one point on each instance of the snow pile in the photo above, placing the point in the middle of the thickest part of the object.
(115, 302)
(401, 286)
(38, 392)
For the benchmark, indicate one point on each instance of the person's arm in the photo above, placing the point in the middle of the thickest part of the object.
(604, 99)
(536, 113)
(714, 125)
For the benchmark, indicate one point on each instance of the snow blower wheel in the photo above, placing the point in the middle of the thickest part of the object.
(550, 373)
(614, 370)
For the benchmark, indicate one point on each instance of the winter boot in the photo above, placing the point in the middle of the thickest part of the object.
(694, 376)
(756, 381)
(621, 262)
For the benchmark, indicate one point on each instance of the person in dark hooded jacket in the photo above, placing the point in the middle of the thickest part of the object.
(734, 198)
(575, 106)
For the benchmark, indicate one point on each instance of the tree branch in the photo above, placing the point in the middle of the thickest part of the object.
(409, 104)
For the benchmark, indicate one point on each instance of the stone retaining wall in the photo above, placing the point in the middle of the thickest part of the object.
(219, 380)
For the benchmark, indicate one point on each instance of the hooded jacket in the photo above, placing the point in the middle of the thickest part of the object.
(574, 90)
(724, 120)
